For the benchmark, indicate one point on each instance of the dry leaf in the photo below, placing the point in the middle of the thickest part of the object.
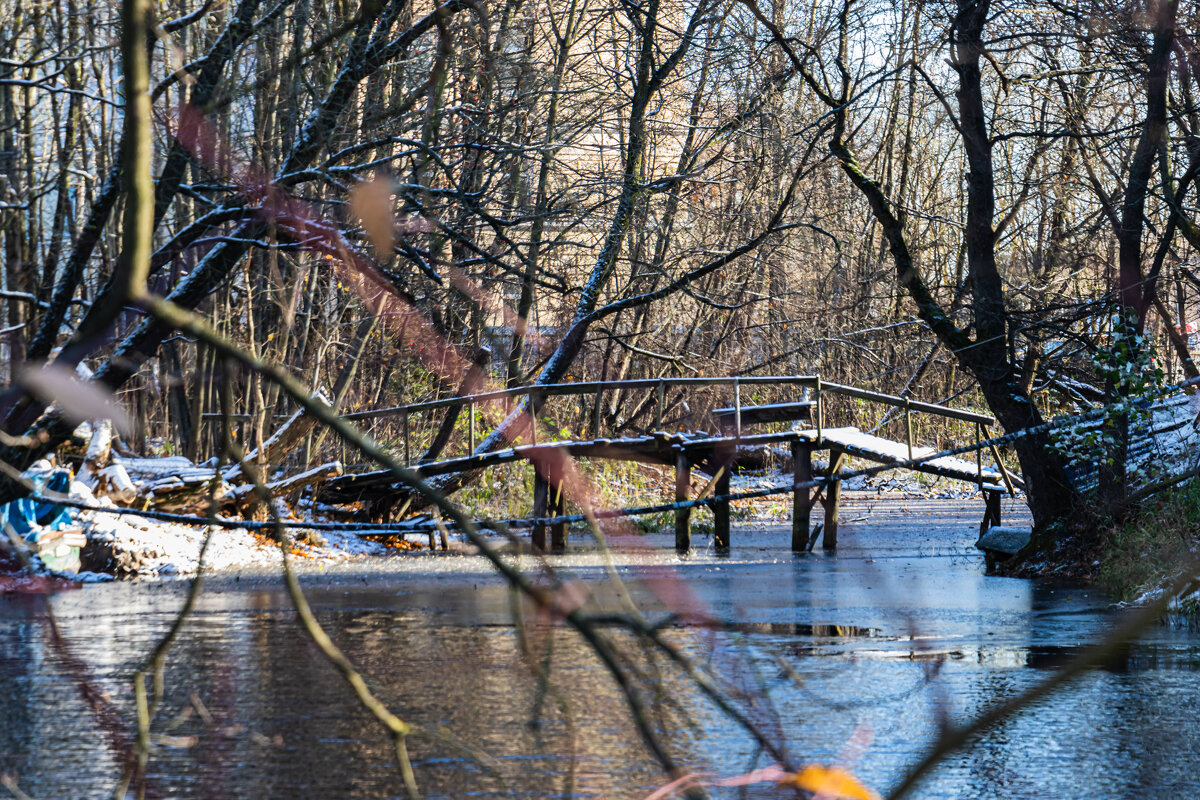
(371, 202)
(829, 783)
(80, 401)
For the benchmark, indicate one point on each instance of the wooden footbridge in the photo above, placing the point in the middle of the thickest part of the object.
(807, 431)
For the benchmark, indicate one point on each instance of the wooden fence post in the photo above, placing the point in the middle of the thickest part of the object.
(737, 409)
(404, 425)
(658, 409)
(470, 427)
(979, 455)
(596, 413)
(533, 409)
(908, 436)
(820, 409)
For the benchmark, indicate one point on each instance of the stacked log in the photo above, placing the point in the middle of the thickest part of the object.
(176, 485)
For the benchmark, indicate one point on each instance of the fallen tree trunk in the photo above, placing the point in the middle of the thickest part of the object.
(285, 439)
(244, 499)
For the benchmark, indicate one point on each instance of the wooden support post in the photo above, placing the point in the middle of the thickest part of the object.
(683, 516)
(558, 530)
(540, 496)
(833, 494)
(662, 399)
(1008, 484)
(991, 511)
(801, 498)
(471, 427)
(404, 424)
(720, 510)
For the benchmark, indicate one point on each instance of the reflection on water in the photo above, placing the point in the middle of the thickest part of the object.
(883, 638)
(283, 725)
(803, 629)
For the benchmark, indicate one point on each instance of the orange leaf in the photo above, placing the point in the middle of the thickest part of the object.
(828, 783)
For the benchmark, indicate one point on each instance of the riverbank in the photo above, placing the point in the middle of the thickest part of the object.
(129, 546)
(122, 543)
(1159, 539)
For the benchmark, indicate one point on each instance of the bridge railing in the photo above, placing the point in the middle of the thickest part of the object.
(819, 389)
(982, 422)
(507, 398)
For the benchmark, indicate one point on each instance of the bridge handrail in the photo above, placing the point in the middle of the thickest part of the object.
(590, 387)
(900, 402)
(579, 387)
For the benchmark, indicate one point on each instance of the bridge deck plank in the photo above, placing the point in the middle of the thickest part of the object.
(875, 448)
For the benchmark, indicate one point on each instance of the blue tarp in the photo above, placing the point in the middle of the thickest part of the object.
(30, 518)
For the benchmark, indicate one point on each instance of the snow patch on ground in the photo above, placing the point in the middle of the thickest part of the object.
(137, 547)
(124, 545)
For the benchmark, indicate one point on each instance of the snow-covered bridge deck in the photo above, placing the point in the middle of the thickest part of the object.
(854, 442)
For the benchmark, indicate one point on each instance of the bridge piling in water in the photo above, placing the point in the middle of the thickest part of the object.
(802, 498)
(541, 492)
(991, 512)
(548, 501)
(683, 516)
(558, 508)
(833, 494)
(720, 511)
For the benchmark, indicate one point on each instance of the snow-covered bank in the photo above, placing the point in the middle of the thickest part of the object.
(127, 546)
(1148, 553)
(124, 545)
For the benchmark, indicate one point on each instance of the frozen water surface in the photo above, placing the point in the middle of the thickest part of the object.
(875, 642)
